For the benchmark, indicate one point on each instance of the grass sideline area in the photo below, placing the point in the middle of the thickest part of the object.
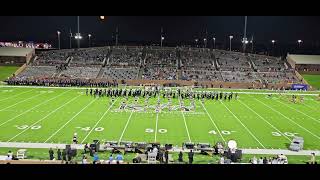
(313, 80)
(42, 154)
(7, 71)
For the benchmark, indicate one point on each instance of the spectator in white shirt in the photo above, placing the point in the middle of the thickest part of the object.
(254, 160)
(8, 158)
(260, 161)
(221, 160)
(10, 154)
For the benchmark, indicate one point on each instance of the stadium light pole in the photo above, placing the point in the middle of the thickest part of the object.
(196, 42)
(78, 36)
(70, 41)
(245, 35)
(214, 43)
(230, 37)
(89, 36)
(58, 32)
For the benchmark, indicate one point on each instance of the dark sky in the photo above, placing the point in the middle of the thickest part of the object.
(286, 29)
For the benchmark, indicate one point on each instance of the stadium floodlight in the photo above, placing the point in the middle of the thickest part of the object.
(196, 40)
(273, 41)
(162, 38)
(58, 32)
(214, 43)
(89, 35)
(78, 36)
(102, 17)
(299, 42)
(230, 37)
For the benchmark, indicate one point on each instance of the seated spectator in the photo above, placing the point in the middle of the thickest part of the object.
(95, 158)
(119, 157)
(111, 158)
(84, 159)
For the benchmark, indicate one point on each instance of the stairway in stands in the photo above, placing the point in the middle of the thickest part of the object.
(33, 59)
(252, 65)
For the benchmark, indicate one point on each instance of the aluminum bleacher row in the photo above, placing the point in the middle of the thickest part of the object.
(156, 63)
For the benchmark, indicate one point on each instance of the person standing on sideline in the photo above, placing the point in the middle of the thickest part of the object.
(180, 159)
(190, 156)
(313, 158)
(166, 155)
(59, 154)
(51, 153)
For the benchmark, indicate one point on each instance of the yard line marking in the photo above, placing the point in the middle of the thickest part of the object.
(299, 111)
(264, 120)
(43, 118)
(69, 121)
(21, 102)
(243, 125)
(213, 122)
(125, 127)
(310, 107)
(157, 118)
(185, 123)
(155, 133)
(105, 113)
(288, 118)
(33, 108)
(15, 95)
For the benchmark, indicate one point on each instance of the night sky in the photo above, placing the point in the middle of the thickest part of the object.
(286, 29)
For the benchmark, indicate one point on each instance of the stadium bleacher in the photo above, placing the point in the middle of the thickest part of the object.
(156, 63)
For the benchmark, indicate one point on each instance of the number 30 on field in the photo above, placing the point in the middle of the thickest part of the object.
(289, 134)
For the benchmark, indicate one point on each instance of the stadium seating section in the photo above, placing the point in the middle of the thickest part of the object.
(155, 63)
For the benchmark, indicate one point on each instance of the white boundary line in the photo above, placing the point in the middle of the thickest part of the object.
(265, 120)
(98, 121)
(288, 118)
(213, 122)
(15, 95)
(185, 123)
(20, 102)
(33, 108)
(44, 117)
(69, 121)
(299, 111)
(243, 125)
(155, 133)
(157, 119)
(125, 128)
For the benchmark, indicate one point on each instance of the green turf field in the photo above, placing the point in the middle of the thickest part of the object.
(313, 80)
(255, 121)
(7, 71)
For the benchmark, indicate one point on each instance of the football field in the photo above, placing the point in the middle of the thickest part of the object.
(255, 120)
